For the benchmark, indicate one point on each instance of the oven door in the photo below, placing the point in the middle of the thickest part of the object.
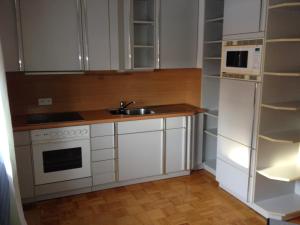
(61, 161)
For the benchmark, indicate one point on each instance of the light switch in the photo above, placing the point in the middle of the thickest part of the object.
(44, 101)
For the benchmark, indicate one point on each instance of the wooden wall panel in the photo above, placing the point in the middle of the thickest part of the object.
(99, 91)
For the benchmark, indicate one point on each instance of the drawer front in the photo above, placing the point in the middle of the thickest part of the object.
(104, 129)
(234, 153)
(103, 167)
(22, 138)
(100, 155)
(63, 186)
(176, 122)
(232, 179)
(140, 126)
(104, 178)
(102, 142)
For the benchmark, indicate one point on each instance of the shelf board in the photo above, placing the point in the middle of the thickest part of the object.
(278, 40)
(282, 206)
(143, 46)
(210, 166)
(289, 106)
(289, 137)
(212, 132)
(212, 113)
(212, 58)
(213, 42)
(143, 22)
(287, 173)
(213, 20)
(212, 76)
(285, 5)
(283, 74)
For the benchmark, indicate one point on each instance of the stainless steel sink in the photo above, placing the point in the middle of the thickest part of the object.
(140, 111)
(132, 112)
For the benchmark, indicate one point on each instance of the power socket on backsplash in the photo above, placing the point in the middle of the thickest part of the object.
(44, 101)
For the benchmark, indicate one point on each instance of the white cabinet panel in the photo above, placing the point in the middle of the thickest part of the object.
(242, 16)
(51, 32)
(64, 186)
(8, 35)
(25, 171)
(104, 129)
(234, 153)
(140, 155)
(97, 24)
(103, 167)
(233, 180)
(175, 150)
(102, 142)
(104, 178)
(140, 126)
(104, 154)
(176, 122)
(236, 110)
(178, 33)
(22, 138)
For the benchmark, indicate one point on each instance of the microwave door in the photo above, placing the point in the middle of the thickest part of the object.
(237, 59)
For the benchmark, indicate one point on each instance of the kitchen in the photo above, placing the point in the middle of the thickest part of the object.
(123, 111)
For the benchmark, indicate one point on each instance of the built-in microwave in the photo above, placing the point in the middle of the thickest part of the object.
(242, 57)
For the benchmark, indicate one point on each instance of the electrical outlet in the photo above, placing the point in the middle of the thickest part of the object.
(44, 101)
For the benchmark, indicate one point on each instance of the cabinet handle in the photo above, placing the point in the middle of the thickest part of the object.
(85, 35)
(80, 41)
(19, 35)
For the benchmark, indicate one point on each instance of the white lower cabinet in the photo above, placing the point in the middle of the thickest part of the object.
(175, 150)
(25, 171)
(140, 155)
(233, 180)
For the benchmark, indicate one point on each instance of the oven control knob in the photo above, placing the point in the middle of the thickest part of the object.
(84, 132)
(72, 132)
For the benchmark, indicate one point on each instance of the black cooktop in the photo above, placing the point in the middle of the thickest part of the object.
(53, 117)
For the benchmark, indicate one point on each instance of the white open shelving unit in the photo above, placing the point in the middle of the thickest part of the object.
(277, 180)
(144, 34)
(212, 49)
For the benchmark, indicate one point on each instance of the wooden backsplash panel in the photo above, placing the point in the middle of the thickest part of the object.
(99, 91)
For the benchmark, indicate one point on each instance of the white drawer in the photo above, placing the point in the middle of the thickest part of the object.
(104, 129)
(102, 142)
(140, 126)
(232, 180)
(176, 122)
(22, 138)
(234, 153)
(68, 185)
(104, 178)
(101, 155)
(103, 167)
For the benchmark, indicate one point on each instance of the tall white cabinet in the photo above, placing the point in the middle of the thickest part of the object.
(277, 192)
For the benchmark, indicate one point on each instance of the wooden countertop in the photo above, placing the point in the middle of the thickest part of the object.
(104, 116)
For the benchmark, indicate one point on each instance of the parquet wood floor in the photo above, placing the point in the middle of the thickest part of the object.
(189, 200)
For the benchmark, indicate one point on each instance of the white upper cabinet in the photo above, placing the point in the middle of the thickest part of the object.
(52, 35)
(244, 18)
(97, 34)
(8, 35)
(178, 33)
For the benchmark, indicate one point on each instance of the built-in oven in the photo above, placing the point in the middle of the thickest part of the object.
(61, 154)
(242, 58)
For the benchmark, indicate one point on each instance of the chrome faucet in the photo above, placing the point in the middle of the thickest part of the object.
(124, 105)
